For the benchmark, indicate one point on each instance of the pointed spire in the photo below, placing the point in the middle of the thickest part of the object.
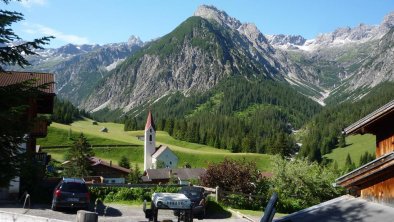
(149, 121)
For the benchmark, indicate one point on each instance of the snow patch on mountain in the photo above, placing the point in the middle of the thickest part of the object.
(114, 64)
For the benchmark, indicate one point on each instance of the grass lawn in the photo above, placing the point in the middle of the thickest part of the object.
(357, 145)
(197, 155)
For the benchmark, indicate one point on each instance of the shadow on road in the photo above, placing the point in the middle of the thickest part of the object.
(215, 211)
(104, 210)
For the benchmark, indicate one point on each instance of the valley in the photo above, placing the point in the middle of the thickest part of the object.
(197, 155)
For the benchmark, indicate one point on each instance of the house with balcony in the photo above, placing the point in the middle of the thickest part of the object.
(371, 186)
(40, 104)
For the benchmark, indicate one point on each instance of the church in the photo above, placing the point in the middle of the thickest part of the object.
(156, 157)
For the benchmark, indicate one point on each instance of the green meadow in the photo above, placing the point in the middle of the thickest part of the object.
(197, 155)
(356, 146)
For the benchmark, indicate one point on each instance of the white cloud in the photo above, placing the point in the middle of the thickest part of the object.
(47, 31)
(30, 3)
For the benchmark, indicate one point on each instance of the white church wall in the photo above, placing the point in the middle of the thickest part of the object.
(168, 157)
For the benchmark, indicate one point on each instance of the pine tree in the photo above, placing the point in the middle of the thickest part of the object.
(78, 156)
(349, 165)
(124, 162)
(135, 175)
(342, 140)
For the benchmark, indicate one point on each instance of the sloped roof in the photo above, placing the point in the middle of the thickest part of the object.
(160, 151)
(96, 161)
(150, 122)
(10, 78)
(371, 118)
(189, 173)
(378, 169)
(157, 174)
(345, 208)
(181, 173)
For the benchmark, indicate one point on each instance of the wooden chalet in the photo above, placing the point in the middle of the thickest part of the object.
(108, 172)
(375, 180)
(43, 104)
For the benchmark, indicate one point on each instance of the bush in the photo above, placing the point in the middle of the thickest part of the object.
(115, 194)
(301, 184)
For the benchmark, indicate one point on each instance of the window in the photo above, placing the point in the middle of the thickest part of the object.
(150, 130)
(150, 137)
(170, 162)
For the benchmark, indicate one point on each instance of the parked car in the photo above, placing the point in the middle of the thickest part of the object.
(71, 193)
(198, 198)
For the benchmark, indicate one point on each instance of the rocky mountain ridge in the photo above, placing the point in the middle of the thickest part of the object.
(345, 35)
(126, 75)
(197, 55)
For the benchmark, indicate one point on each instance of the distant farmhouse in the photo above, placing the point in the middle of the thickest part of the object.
(372, 185)
(108, 172)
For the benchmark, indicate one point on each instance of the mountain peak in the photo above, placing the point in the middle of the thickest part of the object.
(388, 21)
(134, 40)
(212, 13)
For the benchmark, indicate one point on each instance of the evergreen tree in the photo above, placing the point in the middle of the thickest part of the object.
(342, 140)
(124, 162)
(366, 158)
(13, 98)
(349, 165)
(78, 156)
(135, 175)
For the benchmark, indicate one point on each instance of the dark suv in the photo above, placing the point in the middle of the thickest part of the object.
(197, 196)
(71, 193)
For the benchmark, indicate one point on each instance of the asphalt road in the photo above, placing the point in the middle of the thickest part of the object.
(118, 213)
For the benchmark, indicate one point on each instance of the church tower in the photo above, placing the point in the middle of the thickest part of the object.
(149, 141)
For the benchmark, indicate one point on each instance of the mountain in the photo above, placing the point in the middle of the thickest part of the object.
(197, 55)
(78, 68)
(341, 60)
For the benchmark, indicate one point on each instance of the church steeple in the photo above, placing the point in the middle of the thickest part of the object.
(150, 122)
(149, 141)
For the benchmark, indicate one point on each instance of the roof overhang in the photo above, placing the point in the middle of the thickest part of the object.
(362, 125)
(369, 174)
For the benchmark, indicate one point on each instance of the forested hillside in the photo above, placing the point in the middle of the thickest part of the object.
(241, 115)
(65, 112)
(324, 131)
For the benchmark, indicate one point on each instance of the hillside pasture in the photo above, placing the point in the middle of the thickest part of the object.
(197, 155)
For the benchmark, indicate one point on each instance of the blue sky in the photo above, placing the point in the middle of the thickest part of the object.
(108, 21)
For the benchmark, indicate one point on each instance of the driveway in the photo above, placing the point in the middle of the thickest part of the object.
(113, 213)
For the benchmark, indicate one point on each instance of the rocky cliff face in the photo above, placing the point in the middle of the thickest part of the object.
(378, 68)
(193, 58)
(196, 56)
(77, 68)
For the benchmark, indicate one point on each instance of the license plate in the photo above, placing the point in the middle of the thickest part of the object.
(73, 199)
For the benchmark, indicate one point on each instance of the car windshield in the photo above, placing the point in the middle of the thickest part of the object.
(74, 187)
(191, 193)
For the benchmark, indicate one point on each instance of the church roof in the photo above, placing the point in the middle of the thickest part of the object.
(160, 150)
(149, 121)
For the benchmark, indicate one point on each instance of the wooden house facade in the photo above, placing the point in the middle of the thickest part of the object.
(42, 104)
(375, 180)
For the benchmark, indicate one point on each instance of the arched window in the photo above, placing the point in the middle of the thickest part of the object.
(150, 137)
